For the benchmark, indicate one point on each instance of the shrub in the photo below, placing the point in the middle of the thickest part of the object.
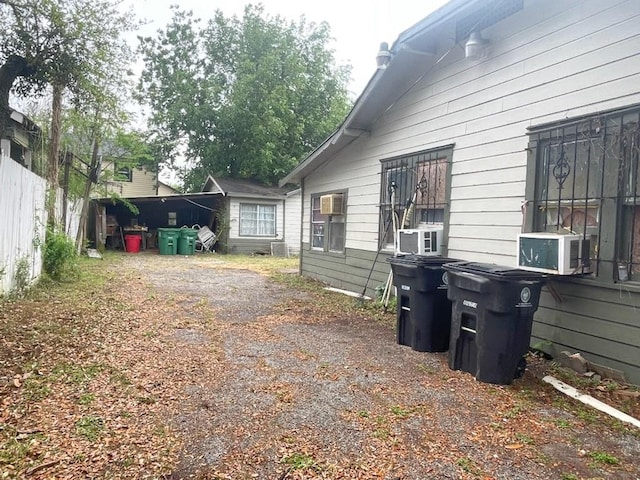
(59, 256)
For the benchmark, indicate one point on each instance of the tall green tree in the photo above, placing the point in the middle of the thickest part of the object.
(242, 97)
(70, 46)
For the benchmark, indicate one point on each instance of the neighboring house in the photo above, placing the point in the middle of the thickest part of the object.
(22, 137)
(256, 215)
(249, 217)
(131, 181)
(500, 116)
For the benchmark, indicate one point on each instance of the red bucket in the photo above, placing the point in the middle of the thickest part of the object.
(132, 243)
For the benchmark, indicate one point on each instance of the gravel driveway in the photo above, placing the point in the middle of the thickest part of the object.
(284, 387)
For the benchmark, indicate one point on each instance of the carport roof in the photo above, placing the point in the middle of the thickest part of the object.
(163, 198)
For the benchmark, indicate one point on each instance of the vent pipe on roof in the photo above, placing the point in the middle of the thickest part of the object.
(384, 56)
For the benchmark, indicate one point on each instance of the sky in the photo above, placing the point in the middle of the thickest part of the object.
(358, 26)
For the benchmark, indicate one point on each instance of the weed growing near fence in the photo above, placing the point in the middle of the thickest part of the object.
(60, 258)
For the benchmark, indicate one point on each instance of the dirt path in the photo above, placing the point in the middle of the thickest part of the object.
(298, 395)
(199, 369)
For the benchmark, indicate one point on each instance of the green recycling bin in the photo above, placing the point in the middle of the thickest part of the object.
(168, 240)
(187, 241)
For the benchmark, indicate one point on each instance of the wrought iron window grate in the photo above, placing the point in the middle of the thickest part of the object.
(413, 191)
(587, 183)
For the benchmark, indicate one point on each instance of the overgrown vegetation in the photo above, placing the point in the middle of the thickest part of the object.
(22, 276)
(60, 257)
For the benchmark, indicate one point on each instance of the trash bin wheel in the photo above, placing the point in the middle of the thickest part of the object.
(520, 368)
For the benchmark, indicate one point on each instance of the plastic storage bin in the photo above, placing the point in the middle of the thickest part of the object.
(424, 311)
(168, 240)
(491, 319)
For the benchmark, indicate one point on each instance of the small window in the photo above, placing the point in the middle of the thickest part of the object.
(123, 173)
(257, 220)
(328, 232)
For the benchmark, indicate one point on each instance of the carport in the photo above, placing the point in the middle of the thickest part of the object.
(111, 218)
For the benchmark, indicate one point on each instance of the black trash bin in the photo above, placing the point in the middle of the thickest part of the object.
(424, 311)
(492, 314)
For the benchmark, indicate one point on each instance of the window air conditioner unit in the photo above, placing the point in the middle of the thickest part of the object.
(553, 253)
(424, 241)
(332, 204)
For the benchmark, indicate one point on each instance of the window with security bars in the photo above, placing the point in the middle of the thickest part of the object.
(587, 183)
(414, 191)
(257, 220)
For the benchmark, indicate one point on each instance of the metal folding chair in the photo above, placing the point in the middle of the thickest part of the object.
(206, 239)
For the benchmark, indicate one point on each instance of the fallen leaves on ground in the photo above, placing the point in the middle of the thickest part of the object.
(115, 377)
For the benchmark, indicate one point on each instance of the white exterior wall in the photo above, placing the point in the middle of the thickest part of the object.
(550, 61)
(23, 220)
(292, 206)
(234, 217)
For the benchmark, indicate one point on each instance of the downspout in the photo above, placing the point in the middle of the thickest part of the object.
(301, 223)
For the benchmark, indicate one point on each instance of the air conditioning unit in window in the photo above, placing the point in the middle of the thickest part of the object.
(424, 241)
(332, 204)
(553, 253)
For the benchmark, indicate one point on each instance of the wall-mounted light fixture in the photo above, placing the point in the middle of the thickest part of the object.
(384, 56)
(476, 46)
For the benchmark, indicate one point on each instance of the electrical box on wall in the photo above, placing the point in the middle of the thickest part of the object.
(332, 204)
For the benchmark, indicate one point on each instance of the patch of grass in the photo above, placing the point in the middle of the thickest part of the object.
(363, 413)
(562, 423)
(467, 465)
(14, 448)
(150, 400)
(77, 374)
(382, 433)
(569, 476)
(301, 461)
(86, 399)
(265, 264)
(400, 412)
(586, 415)
(35, 389)
(90, 427)
(514, 411)
(523, 438)
(120, 377)
(603, 458)
(426, 369)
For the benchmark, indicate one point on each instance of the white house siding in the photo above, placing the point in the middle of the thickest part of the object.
(245, 244)
(550, 61)
(292, 206)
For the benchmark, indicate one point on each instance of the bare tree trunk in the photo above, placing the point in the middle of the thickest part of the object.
(67, 159)
(91, 179)
(53, 157)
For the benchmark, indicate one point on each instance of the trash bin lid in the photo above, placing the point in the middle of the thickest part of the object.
(491, 270)
(420, 260)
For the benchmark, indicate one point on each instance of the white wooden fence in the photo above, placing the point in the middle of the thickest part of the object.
(23, 220)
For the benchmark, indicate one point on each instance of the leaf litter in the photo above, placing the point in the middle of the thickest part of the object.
(214, 367)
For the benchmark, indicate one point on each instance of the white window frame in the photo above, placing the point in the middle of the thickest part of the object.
(260, 225)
